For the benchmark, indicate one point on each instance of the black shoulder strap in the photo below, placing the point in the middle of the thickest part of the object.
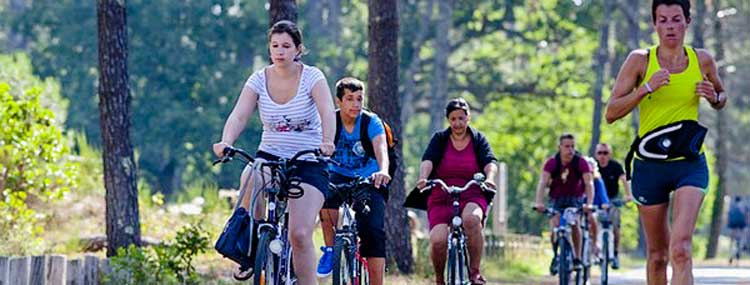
(338, 127)
(364, 134)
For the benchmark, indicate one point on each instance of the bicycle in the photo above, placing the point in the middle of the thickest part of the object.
(273, 260)
(563, 245)
(349, 267)
(583, 277)
(606, 239)
(458, 261)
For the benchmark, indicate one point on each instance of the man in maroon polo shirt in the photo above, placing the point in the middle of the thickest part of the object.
(569, 179)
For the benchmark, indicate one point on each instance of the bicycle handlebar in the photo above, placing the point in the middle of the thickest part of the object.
(478, 180)
(229, 153)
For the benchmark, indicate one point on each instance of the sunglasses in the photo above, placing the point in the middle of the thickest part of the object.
(602, 152)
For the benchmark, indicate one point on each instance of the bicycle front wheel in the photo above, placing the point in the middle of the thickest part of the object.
(456, 265)
(265, 261)
(566, 261)
(342, 261)
(605, 258)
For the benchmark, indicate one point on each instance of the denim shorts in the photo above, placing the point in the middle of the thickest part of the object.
(653, 181)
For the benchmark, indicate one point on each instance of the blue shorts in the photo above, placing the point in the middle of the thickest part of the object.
(653, 181)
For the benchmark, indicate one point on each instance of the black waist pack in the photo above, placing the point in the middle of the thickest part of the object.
(678, 139)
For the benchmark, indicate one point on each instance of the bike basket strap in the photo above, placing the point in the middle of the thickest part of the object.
(682, 139)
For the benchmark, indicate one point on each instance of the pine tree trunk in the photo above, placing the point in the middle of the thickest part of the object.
(602, 59)
(382, 82)
(721, 153)
(282, 10)
(440, 75)
(123, 223)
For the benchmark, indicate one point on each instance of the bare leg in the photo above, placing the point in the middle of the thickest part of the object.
(614, 216)
(654, 219)
(472, 223)
(328, 221)
(594, 231)
(301, 225)
(376, 268)
(248, 189)
(438, 250)
(687, 204)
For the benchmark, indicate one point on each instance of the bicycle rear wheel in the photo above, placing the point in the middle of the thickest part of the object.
(265, 261)
(342, 261)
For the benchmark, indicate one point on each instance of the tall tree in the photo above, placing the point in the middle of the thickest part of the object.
(382, 82)
(282, 10)
(602, 59)
(439, 92)
(123, 223)
(415, 61)
(721, 145)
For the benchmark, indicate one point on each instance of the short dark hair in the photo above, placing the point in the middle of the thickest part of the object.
(566, 136)
(457, 104)
(685, 4)
(348, 83)
(290, 28)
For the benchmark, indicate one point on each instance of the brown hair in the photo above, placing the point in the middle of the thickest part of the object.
(290, 28)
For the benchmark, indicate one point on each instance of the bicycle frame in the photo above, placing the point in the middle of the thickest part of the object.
(277, 192)
(347, 235)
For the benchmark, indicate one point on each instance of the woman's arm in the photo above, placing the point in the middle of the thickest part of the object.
(237, 120)
(711, 88)
(321, 94)
(425, 168)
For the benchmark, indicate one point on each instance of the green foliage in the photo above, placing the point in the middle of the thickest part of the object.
(35, 165)
(170, 263)
(523, 132)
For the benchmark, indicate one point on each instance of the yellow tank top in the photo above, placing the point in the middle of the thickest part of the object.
(673, 102)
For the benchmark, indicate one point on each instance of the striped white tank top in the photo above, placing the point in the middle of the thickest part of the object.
(291, 127)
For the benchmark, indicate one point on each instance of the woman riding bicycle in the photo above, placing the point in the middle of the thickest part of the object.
(455, 155)
(296, 110)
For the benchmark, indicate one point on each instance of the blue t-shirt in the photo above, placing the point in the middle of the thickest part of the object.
(600, 192)
(351, 154)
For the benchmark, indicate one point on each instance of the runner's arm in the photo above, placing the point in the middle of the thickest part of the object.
(625, 95)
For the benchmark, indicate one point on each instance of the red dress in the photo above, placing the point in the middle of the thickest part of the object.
(456, 168)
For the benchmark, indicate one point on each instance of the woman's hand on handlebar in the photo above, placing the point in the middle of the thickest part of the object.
(219, 147)
(421, 183)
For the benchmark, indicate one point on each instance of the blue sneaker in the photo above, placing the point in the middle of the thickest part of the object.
(325, 265)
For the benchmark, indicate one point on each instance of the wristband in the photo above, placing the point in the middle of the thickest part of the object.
(718, 98)
(648, 88)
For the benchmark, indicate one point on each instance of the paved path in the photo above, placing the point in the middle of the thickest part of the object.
(704, 275)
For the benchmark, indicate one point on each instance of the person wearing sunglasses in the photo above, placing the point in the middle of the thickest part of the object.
(612, 173)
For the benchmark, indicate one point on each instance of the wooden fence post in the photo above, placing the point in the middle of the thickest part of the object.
(38, 273)
(4, 263)
(19, 270)
(56, 270)
(499, 217)
(74, 272)
(91, 270)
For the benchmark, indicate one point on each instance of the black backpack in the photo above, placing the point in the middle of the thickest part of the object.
(364, 124)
